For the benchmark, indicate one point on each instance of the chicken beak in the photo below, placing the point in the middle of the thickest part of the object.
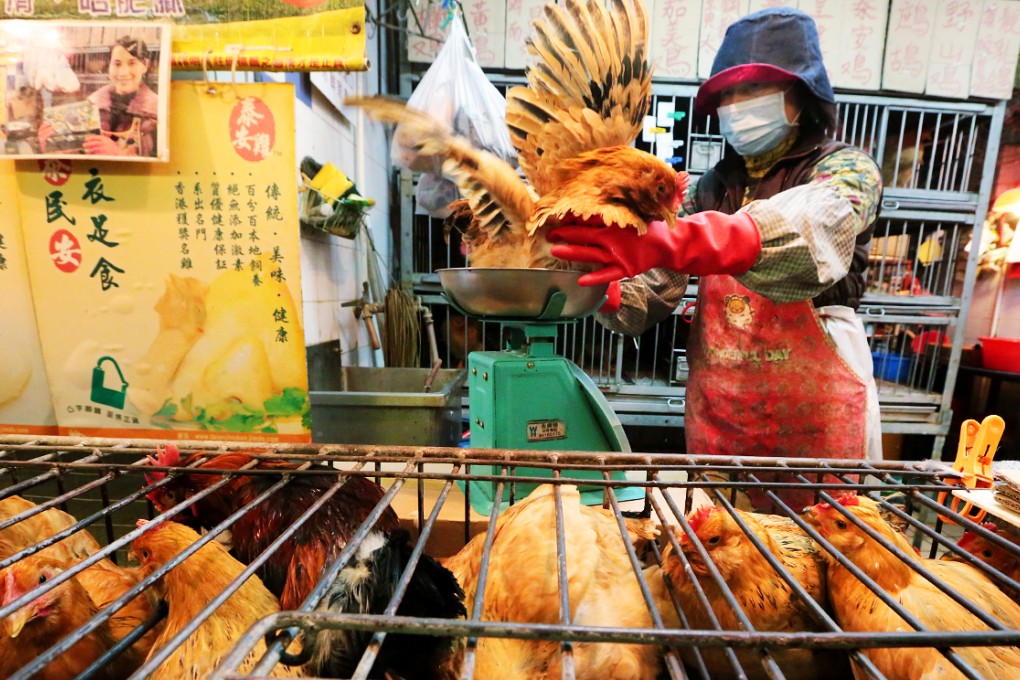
(669, 217)
(16, 621)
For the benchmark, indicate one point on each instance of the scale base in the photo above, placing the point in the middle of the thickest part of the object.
(520, 400)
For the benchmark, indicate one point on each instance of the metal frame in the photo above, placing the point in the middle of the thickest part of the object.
(58, 460)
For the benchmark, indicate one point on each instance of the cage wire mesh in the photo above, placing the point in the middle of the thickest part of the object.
(101, 483)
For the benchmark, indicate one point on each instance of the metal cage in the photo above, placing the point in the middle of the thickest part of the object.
(101, 483)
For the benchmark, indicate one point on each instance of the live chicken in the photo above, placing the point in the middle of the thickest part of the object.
(522, 585)
(31, 530)
(769, 603)
(296, 566)
(1003, 559)
(589, 88)
(52, 615)
(858, 609)
(190, 587)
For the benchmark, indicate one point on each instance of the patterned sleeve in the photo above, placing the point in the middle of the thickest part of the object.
(646, 300)
(808, 232)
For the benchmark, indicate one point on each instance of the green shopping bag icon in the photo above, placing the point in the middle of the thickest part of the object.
(107, 396)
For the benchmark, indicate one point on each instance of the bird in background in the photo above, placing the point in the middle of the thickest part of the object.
(768, 601)
(1003, 559)
(190, 587)
(859, 609)
(589, 88)
(367, 583)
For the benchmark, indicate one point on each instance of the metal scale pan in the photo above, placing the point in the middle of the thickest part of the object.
(527, 396)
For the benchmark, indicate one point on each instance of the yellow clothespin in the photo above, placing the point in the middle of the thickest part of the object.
(974, 454)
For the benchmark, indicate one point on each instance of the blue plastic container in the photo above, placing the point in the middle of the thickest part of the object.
(891, 367)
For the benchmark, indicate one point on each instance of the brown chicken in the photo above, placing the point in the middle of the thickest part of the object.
(38, 527)
(768, 601)
(588, 90)
(522, 585)
(858, 609)
(188, 588)
(51, 616)
(1003, 559)
(296, 566)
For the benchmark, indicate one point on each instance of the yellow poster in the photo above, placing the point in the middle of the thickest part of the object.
(168, 296)
(261, 35)
(25, 404)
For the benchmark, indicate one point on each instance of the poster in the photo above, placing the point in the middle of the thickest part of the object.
(519, 16)
(911, 28)
(829, 21)
(262, 35)
(674, 38)
(168, 296)
(25, 404)
(716, 16)
(995, 57)
(85, 88)
(484, 20)
(956, 32)
(862, 36)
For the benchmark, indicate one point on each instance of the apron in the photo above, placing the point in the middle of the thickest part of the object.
(765, 380)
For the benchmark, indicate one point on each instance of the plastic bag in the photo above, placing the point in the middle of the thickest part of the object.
(456, 92)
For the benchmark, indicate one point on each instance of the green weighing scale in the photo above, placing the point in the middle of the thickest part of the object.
(527, 396)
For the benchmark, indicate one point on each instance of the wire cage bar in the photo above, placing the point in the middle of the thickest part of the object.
(101, 482)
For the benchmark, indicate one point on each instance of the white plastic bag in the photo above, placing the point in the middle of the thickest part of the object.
(456, 92)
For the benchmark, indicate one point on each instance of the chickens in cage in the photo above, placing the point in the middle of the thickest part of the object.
(589, 87)
(859, 609)
(522, 585)
(60, 610)
(994, 555)
(40, 526)
(292, 571)
(191, 586)
(768, 602)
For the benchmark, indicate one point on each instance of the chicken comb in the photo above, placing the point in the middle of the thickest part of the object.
(847, 499)
(165, 456)
(699, 516)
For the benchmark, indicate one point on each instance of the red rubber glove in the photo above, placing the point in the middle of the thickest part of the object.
(709, 242)
(614, 298)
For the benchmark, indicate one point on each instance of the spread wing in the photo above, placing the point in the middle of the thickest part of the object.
(589, 87)
(499, 198)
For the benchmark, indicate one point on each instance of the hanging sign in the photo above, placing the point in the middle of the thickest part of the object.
(716, 17)
(674, 38)
(908, 45)
(956, 32)
(485, 22)
(168, 296)
(25, 404)
(79, 88)
(263, 35)
(997, 49)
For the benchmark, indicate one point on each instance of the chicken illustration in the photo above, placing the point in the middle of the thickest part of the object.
(523, 585)
(51, 616)
(858, 609)
(1003, 559)
(31, 530)
(295, 567)
(217, 357)
(588, 90)
(188, 588)
(768, 601)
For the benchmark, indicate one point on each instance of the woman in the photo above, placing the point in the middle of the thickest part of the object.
(127, 107)
(778, 233)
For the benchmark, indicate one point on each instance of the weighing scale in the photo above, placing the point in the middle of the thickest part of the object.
(527, 396)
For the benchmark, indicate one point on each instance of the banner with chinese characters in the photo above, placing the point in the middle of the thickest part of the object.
(25, 404)
(168, 296)
(263, 35)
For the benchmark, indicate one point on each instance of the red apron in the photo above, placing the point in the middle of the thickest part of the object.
(765, 380)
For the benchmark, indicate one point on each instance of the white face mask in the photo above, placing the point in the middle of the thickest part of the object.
(755, 126)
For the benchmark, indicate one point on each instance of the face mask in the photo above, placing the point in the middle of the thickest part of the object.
(754, 126)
